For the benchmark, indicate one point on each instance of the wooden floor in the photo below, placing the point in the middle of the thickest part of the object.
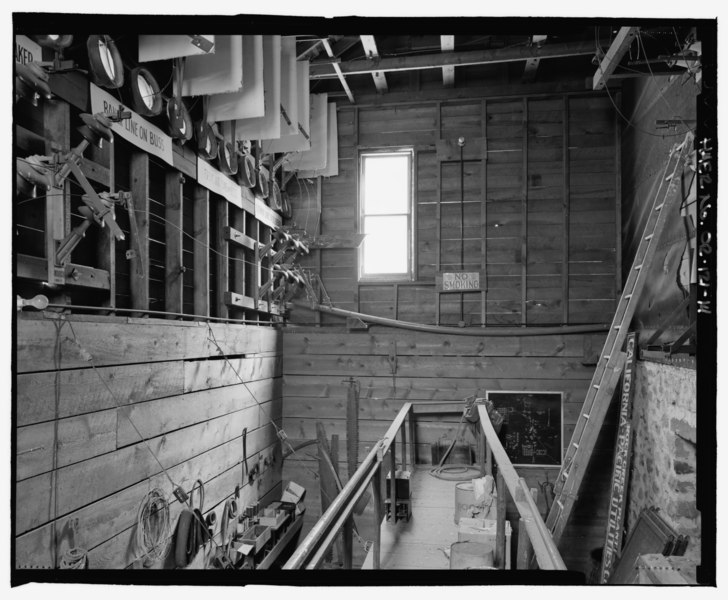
(421, 543)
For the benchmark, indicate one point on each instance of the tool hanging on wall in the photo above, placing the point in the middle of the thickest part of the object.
(204, 134)
(246, 166)
(227, 159)
(146, 97)
(178, 117)
(105, 65)
(31, 82)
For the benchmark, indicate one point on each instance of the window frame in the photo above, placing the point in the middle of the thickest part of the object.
(409, 275)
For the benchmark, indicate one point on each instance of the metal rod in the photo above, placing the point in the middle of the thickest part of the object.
(156, 312)
(475, 331)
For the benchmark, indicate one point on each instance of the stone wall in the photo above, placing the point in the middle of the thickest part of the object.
(664, 458)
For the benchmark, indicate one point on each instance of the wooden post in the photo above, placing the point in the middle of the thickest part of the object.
(482, 452)
(404, 446)
(500, 531)
(392, 476)
(222, 280)
(106, 245)
(173, 239)
(377, 494)
(201, 251)
(139, 267)
(525, 549)
(413, 447)
(488, 459)
(524, 217)
(238, 222)
(566, 213)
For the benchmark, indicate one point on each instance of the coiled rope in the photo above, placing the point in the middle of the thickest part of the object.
(153, 529)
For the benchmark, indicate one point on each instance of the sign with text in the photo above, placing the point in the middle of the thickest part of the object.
(26, 50)
(460, 281)
(209, 177)
(136, 130)
(622, 453)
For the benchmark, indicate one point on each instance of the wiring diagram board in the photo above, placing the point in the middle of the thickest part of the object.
(532, 429)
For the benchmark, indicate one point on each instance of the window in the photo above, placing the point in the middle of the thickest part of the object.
(385, 215)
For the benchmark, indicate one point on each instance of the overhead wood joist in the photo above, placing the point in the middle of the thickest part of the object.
(614, 55)
(447, 43)
(323, 70)
(370, 48)
(339, 74)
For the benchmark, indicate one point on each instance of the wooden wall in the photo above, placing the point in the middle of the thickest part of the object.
(541, 203)
(430, 367)
(169, 379)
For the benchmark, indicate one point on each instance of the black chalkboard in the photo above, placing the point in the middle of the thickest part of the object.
(532, 426)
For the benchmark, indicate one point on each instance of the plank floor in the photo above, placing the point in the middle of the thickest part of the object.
(421, 542)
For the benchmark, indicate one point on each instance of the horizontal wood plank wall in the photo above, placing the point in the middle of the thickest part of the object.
(537, 150)
(429, 367)
(185, 399)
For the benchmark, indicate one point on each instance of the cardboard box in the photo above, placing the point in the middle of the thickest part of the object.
(293, 493)
(483, 531)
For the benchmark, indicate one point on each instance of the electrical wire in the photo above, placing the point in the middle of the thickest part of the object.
(153, 527)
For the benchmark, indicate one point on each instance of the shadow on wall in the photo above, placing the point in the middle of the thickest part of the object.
(664, 455)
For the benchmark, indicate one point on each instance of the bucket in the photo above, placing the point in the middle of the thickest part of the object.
(465, 505)
(471, 555)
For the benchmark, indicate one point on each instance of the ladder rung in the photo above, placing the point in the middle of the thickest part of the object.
(575, 445)
(617, 326)
(660, 206)
(586, 416)
(627, 296)
(638, 267)
(561, 505)
(596, 386)
(607, 356)
(649, 237)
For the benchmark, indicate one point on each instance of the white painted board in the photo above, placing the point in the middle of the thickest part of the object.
(289, 86)
(164, 47)
(332, 148)
(269, 124)
(297, 141)
(248, 101)
(315, 157)
(220, 73)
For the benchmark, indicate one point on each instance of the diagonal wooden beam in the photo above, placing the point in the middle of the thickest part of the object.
(614, 55)
(435, 61)
(339, 73)
(447, 43)
(370, 49)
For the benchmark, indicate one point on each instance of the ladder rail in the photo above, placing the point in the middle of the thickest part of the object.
(611, 362)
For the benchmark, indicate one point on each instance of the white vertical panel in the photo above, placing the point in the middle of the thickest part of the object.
(249, 101)
(314, 158)
(297, 141)
(332, 148)
(217, 73)
(289, 86)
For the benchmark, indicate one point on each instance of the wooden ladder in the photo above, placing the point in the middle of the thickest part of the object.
(611, 361)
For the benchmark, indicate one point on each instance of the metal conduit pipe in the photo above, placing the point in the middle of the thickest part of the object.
(480, 331)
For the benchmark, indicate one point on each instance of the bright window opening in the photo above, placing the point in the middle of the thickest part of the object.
(385, 215)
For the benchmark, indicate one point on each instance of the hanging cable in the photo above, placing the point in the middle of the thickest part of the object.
(153, 527)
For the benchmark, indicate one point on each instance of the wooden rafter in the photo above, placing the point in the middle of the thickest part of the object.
(339, 73)
(447, 43)
(434, 61)
(370, 49)
(614, 55)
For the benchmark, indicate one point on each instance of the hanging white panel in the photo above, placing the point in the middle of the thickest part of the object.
(289, 86)
(298, 141)
(268, 125)
(314, 158)
(215, 74)
(164, 47)
(248, 102)
(332, 148)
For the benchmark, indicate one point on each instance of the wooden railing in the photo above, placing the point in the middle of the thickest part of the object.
(533, 536)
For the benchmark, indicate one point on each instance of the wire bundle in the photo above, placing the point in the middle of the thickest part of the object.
(153, 527)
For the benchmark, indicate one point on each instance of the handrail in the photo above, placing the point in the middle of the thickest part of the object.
(313, 548)
(547, 554)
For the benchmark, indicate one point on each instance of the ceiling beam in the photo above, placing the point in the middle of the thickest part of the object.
(339, 74)
(370, 49)
(434, 61)
(614, 55)
(447, 43)
(529, 71)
